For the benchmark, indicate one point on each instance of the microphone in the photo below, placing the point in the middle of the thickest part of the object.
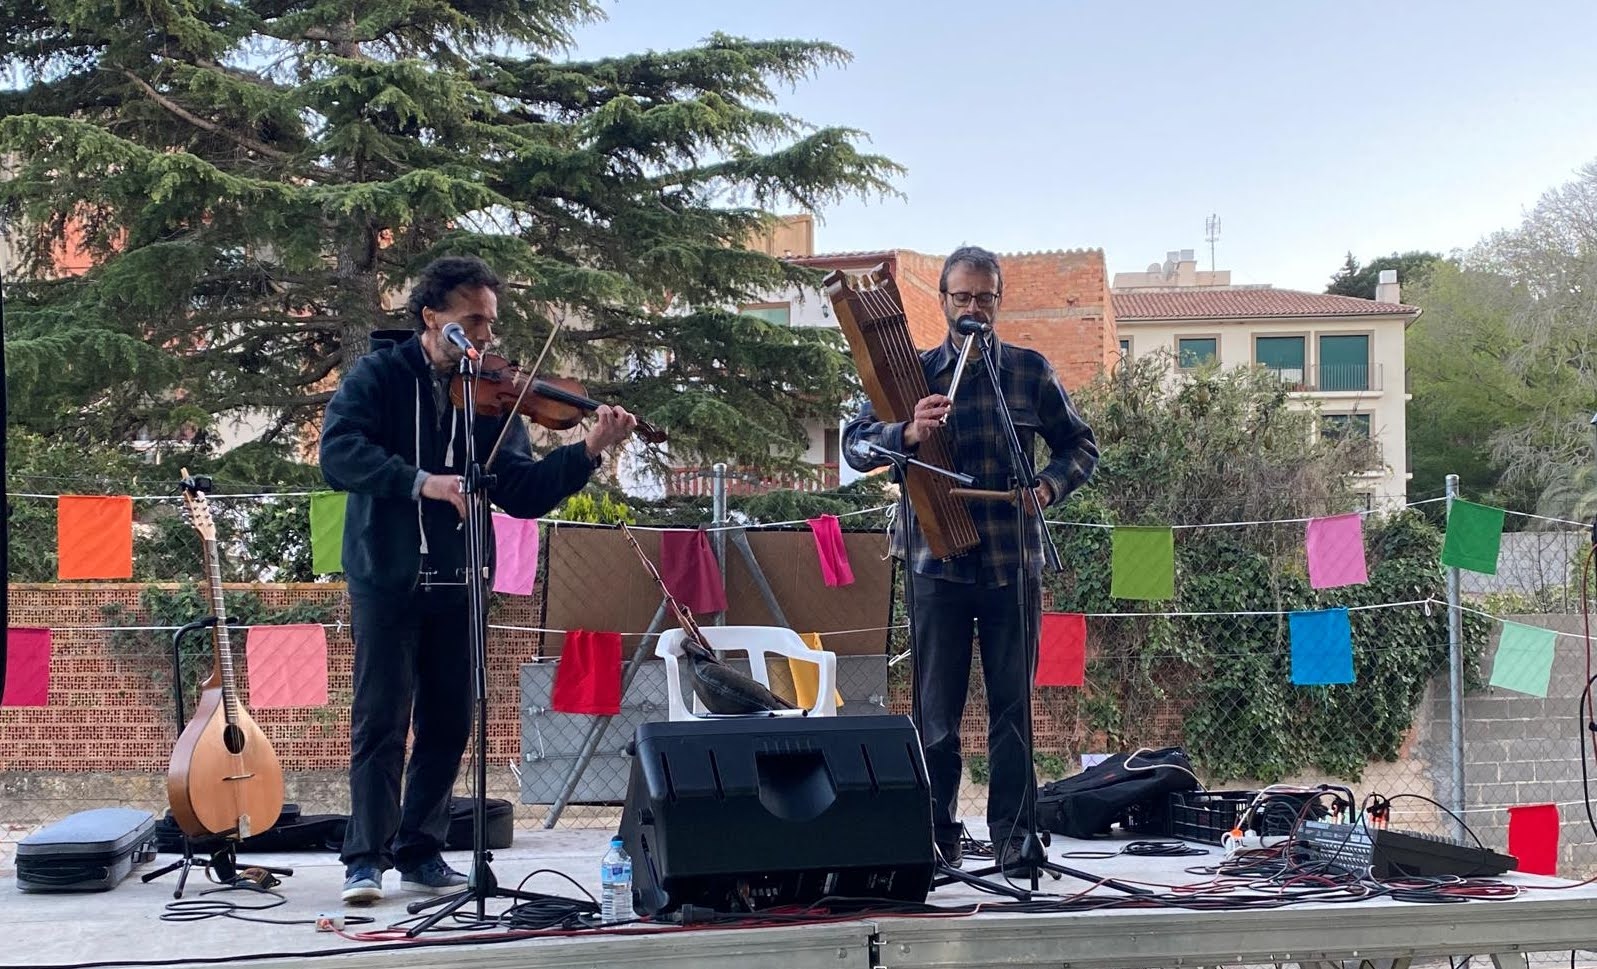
(456, 334)
(860, 449)
(969, 325)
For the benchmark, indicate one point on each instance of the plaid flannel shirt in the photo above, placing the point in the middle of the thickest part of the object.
(1038, 404)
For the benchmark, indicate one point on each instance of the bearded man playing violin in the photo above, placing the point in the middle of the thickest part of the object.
(394, 441)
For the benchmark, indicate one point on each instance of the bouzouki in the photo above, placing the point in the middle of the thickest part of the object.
(224, 779)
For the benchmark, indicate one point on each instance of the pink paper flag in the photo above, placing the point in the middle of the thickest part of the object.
(287, 666)
(27, 662)
(1336, 551)
(516, 548)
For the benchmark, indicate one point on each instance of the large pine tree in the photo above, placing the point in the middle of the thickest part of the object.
(256, 179)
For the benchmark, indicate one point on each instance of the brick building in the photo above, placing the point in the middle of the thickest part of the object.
(1056, 302)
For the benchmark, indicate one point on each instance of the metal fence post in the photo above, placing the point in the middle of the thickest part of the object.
(718, 494)
(1455, 677)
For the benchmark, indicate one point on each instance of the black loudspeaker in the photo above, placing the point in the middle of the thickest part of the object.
(749, 813)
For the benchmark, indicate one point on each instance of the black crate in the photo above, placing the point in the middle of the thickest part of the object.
(1207, 816)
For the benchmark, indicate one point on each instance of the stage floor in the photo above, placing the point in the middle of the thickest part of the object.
(124, 925)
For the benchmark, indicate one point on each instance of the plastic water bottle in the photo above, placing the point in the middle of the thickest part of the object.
(615, 884)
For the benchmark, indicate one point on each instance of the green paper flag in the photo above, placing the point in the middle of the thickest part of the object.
(1524, 660)
(327, 532)
(1143, 562)
(1474, 536)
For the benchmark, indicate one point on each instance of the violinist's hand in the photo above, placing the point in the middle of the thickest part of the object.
(611, 426)
(445, 487)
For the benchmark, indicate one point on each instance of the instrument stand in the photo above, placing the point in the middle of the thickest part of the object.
(481, 884)
(946, 873)
(1023, 483)
(223, 863)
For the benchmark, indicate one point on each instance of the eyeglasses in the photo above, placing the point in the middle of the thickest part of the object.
(984, 300)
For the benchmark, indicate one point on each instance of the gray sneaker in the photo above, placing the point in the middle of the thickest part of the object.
(432, 877)
(363, 884)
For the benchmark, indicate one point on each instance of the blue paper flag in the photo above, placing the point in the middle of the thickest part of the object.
(1322, 647)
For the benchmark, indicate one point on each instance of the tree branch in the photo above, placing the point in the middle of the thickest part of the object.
(199, 122)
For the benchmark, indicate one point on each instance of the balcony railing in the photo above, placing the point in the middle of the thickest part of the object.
(700, 483)
(1331, 379)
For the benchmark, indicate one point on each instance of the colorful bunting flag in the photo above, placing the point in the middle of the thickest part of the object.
(287, 666)
(94, 537)
(1533, 838)
(588, 679)
(27, 662)
(1524, 659)
(1142, 562)
(835, 568)
(1336, 551)
(327, 532)
(1062, 654)
(1322, 647)
(516, 554)
(690, 571)
(1474, 536)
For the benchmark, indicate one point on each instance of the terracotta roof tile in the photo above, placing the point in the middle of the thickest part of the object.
(1226, 304)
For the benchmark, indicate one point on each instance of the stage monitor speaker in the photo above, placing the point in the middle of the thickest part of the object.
(749, 813)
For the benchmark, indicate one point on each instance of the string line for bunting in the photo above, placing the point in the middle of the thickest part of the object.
(876, 509)
(1269, 521)
(1430, 604)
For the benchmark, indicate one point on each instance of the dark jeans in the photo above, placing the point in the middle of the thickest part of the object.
(412, 672)
(946, 615)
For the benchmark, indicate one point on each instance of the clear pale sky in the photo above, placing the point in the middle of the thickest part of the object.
(1311, 128)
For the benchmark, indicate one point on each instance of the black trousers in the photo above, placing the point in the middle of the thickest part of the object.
(946, 617)
(412, 672)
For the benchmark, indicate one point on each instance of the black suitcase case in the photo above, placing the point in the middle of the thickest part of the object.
(90, 851)
(501, 824)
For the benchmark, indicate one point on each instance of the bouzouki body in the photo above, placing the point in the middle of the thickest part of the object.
(224, 779)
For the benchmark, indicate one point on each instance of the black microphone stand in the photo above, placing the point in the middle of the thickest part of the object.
(1023, 482)
(946, 872)
(481, 884)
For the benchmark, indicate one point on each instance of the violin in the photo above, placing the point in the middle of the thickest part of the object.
(558, 403)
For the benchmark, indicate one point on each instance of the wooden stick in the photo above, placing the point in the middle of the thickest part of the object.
(981, 494)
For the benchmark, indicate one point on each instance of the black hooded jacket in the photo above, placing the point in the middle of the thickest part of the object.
(381, 427)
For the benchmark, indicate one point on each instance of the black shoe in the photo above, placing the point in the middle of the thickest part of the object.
(1012, 860)
(952, 852)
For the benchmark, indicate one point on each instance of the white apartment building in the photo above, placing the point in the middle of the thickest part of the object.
(1345, 354)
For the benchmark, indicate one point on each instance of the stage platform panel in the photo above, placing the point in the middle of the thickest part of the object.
(124, 925)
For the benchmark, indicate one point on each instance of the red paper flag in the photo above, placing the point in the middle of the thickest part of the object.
(27, 668)
(287, 666)
(690, 571)
(835, 569)
(94, 537)
(588, 679)
(1533, 838)
(1062, 654)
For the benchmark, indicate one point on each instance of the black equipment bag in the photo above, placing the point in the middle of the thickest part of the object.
(90, 851)
(501, 817)
(292, 832)
(325, 832)
(1090, 802)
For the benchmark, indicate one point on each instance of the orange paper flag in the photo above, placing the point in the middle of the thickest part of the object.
(94, 537)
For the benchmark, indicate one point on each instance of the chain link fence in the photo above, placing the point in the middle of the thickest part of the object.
(1210, 669)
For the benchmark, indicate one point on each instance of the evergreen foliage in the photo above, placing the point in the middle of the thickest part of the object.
(256, 180)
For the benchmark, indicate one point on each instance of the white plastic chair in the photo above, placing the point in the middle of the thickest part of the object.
(757, 642)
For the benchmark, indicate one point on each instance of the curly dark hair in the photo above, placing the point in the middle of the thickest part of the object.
(976, 258)
(444, 276)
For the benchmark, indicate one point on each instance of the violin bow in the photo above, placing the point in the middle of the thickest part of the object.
(526, 385)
